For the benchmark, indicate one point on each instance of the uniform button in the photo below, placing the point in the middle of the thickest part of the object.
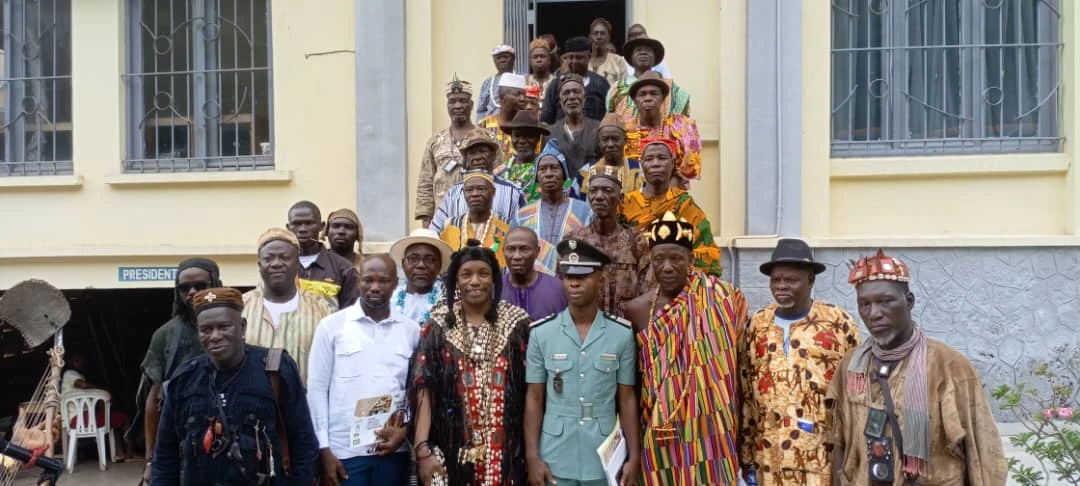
(583, 353)
(582, 376)
(582, 399)
(581, 422)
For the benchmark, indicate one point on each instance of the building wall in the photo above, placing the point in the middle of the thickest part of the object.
(76, 230)
(1005, 308)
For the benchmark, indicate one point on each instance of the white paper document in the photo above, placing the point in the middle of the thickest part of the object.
(613, 454)
(371, 415)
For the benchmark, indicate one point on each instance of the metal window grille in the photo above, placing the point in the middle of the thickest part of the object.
(35, 88)
(945, 76)
(519, 27)
(199, 86)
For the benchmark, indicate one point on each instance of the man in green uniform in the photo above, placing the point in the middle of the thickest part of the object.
(581, 373)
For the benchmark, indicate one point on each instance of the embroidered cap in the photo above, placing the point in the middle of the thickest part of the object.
(511, 80)
(458, 86)
(501, 48)
(217, 297)
(577, 257)
(670, 229)
(279, 234)
(878, 267)
(607, 172)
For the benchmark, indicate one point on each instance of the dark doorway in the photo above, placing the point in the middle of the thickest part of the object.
(569, 18)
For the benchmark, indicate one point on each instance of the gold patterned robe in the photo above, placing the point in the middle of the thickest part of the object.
(778, 390)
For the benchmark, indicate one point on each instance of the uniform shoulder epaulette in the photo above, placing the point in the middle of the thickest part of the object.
(620, 320)
(543, 320)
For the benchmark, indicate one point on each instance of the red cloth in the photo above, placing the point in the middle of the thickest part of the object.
(117, 420)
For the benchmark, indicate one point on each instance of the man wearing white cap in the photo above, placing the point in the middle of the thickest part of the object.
(489, 103)
(423, 258)
(511, 89)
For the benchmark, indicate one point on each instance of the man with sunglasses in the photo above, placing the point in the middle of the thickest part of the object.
(174, 343)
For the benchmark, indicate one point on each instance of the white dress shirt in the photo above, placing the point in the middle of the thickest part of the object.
(353, 357)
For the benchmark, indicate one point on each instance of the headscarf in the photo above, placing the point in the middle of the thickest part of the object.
(551, 149)
(206, 264)
(348, 214)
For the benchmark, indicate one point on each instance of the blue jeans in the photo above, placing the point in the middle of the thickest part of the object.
(375, 470)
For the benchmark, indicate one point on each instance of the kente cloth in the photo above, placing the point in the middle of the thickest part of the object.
(784, 418)
(624, 278)
(455, 372)
(440, 169)
(508, 200)
(552, 226)
(459, 231)
(688, 386)
(613, 69)
(295, 329)
(541, 299)
(639, 211)
(965, 447)
(683, 130)
(633, 179)
(620, 103)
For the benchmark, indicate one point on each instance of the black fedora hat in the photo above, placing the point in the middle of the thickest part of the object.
(657, 47)
(792, 251)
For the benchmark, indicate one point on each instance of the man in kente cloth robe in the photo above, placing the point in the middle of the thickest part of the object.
(467, 391)
(686, 334)
(907, 409)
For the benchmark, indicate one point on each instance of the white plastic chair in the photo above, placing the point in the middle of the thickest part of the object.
(79, 406)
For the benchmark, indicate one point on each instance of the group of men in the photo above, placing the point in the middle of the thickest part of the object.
(635, 338)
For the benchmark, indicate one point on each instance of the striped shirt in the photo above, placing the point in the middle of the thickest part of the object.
(508, 200)
(295, 330)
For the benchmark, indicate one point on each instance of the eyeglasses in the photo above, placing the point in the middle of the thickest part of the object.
(188, 286)
(428, 260)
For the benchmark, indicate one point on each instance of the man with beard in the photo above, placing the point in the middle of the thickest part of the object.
(526, 134)
(581, 368)
(423, 258)
(479, 151)
(345, 234)
(359, 357)
(480, 223)
(279, 314)
(443, 162)
(575, 58)
(575, 132)
(237, 415)
(787, 357)
(321, 271)
(624, 278)
(907, 409)
(173, 343)
(539, 294)
(686, 334)
(611, 136)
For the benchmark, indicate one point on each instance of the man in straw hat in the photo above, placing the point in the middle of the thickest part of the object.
(907, 409)
(423, 258)
(236, 415)
(479, 151)
(686, 334)
(279, 313)
(345, 234)
(787, 357)
(443, 162)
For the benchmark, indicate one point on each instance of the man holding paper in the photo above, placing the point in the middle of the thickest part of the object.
(581, 372)
(357, 373)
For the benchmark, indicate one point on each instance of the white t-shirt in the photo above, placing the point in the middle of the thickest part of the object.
(307, 260)
(276, 310)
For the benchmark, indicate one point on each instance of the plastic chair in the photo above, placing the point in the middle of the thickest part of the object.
(79, 412)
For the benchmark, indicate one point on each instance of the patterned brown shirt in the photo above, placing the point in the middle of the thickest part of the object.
(779, 389)
(439, 169)
(624, 278)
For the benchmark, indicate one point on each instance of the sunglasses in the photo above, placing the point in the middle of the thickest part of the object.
(188, 286)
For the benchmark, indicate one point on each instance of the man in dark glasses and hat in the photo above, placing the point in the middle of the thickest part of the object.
(788, 354)
(172, 344)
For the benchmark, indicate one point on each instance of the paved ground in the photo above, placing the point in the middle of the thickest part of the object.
(128, 473)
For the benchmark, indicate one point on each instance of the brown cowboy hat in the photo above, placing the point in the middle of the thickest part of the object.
(652, 78)
(525, 119)
(657, 47)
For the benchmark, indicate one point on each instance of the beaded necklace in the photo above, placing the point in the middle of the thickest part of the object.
(480, 235)
(432, 298)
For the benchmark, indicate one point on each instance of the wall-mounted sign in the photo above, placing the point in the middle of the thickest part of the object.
(147, 274)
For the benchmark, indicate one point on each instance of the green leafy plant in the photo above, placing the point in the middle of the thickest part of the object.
(1045, 408)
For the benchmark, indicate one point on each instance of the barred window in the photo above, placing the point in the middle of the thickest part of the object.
(945, 76)
(199, 86)
(35, 88)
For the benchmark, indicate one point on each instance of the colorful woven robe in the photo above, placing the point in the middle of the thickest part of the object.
(577, 216)
(688, 382)
(619, 102)
(683, 130)
(639, 211)
(493, 237)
